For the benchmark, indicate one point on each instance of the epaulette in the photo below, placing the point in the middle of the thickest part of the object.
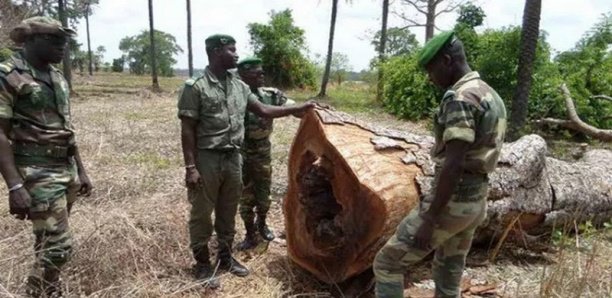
(191, 81)
(449, 95)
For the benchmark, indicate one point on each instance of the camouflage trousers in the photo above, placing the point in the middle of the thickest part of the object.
(53, 190)
(451, 241)
(256, 177)
(221, 176)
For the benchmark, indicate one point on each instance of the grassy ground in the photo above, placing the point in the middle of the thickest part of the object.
(131, 235)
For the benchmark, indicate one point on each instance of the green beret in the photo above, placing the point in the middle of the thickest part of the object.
(39, 25)
(219, 40)
(249, 62)
(433, 46)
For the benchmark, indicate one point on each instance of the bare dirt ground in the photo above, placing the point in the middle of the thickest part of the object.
(131, 236)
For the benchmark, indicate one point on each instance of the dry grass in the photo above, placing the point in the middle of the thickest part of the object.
(131, 235)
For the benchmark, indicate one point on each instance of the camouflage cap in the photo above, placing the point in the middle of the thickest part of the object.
(39, 25)
(219, 40)
(433, 46)
(249, 62)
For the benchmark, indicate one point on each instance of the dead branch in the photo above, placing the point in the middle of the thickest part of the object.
(574, 122)
(602, 97)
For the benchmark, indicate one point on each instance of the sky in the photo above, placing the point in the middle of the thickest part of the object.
(565, 21)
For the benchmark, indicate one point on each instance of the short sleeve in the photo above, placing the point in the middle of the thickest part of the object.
(458, 120)
(6, 100)
(189, 102)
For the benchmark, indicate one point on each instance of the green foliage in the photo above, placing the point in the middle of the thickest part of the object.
(587, 71)
(470, 15)
(407, 91)
(118, 64)
(5, 53)
(282, 45)
(137, 52)
(400, 41)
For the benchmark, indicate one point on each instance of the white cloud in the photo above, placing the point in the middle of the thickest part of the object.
(564, 20)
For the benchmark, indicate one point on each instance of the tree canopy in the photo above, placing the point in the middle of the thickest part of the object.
(136, 51)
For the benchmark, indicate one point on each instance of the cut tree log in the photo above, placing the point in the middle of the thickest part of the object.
(351, 183)
(574, 122)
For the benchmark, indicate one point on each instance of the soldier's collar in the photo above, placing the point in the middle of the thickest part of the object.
(467, 77)
(212, 78)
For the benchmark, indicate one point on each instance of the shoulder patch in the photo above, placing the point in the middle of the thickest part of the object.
(192, 81)
(449, 95)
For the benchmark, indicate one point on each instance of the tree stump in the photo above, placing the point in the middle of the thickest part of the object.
(351, 183)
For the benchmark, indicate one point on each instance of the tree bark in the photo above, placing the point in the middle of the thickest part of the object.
(189, 47)
(89, 55)
(430, 19)
(381, 50)
(67, 63)
(155, 83)
(351, 183)
(529, 41)
(330, 49)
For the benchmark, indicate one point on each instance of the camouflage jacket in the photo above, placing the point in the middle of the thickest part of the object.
(219, 107)
(257, 128)
(39, 111)
(473, 112)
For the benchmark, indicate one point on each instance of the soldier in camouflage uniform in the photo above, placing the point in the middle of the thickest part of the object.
(39, 159)
(256, 152)
(469, 130)
(212, 108)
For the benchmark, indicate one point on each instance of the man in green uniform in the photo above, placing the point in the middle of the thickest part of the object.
(212, 108)
(39, 159)
(256, 152)
(469, 130)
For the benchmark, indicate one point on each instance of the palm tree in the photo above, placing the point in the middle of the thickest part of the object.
(87, 12)
(189, 51)
(61, 11)
(155, 85)
(529, 40)
(381, 49)
(330, 49)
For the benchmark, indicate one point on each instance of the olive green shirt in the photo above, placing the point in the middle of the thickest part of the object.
(471, 111)
(258, 128)
(39, 110)
(219, 107)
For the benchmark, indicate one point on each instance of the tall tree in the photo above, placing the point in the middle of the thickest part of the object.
(431, 10)
(530, 33)
(67, 64)
(330, 49)
(89, 54)
(189, 50)
(382, 48)
(155, 82)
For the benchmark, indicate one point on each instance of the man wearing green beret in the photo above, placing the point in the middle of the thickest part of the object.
(212, 110)
(469, 130)
(257, 171)
(39, 159)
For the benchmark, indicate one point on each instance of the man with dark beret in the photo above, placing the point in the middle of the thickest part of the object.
(469, 130)
(39, 159)
(212, 110)
(256, 152)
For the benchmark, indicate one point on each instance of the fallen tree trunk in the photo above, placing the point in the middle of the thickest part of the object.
(350, 183)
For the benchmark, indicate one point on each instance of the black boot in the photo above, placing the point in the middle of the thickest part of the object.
(227, 262)
(202, 270)
(263, 229)
(52, 283)
(250, 239)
